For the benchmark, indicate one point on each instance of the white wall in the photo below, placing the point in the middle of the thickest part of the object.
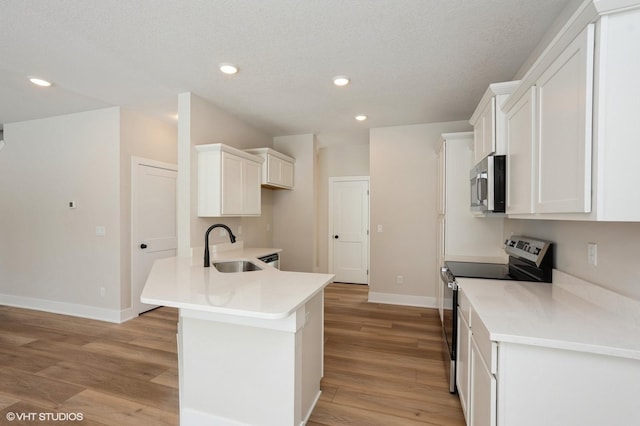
(334, 161)
(50, 255)
(201, 122)
(403, 173)
(147, 137)
(618, 243)
(295, 211)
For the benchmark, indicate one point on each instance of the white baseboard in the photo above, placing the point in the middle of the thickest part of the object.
(72, 309)
(402, 299)
(192, 417)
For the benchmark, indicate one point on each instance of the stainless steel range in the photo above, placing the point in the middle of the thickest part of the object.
(529, 260)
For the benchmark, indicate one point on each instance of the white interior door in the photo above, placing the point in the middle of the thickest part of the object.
(154, 227)
(349, 229)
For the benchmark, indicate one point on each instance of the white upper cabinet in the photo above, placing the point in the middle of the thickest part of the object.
(228, 182)
(585, 121)
(521, 154)
(564, 100)
(277, 170)
(489, 122)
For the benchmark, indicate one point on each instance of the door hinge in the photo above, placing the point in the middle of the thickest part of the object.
(367, 272)
(367, 192)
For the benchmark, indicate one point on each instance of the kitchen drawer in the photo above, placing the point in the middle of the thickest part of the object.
(487, 348)
(464, 306)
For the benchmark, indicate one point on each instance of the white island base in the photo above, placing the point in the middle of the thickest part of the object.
(249, 371)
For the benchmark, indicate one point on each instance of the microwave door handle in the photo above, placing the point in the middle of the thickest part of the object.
(481, 189)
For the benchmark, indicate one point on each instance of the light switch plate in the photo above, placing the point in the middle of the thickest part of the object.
(592, 254)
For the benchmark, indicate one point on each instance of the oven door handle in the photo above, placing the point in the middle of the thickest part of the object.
(445, 278)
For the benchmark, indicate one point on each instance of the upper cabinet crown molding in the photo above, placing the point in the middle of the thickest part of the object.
(489, 122)
(494, 89)
(278, 168)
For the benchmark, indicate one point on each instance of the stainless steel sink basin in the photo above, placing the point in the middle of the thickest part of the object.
(236, 266)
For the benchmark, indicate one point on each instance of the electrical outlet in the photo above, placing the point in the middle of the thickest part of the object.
(592, 254)
(399, 279)
(103, 292)
(239, 229)
(379, 228)
(101, 231)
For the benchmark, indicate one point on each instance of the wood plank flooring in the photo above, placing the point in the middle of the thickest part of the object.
(382, 366)
(113, 374)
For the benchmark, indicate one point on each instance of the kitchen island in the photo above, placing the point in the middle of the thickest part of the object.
(250, 344)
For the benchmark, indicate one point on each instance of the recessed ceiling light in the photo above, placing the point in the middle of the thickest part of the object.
(361, 117)
(340, 80)
(39, 82)
(228, 68)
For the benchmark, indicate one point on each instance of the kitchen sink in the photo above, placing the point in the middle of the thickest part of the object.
(236, 266)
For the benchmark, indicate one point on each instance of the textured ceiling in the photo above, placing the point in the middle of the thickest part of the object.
(410, 61)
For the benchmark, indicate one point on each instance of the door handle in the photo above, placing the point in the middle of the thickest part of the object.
(143, 246)
(336, 237)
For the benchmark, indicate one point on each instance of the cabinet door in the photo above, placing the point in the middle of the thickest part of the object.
(273, 170)
(231, 193)
(440, 259)
(442, 158)
(251, 188)
(520, 149)
(565, 96)
(286, 174)
(462, 364)
(484, 131)
(482, 404)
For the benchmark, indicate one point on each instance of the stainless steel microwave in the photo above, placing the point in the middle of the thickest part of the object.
(488, 185)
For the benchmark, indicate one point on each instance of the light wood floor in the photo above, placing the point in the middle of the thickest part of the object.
(382, 366)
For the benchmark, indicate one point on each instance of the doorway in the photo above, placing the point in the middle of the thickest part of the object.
(349, 229)
(153, 221)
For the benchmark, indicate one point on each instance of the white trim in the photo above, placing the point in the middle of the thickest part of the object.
(193, 417)
(403, 299)
(313, 405)
(153, 163)
(332, 180)
(64, 308)
(135, 190)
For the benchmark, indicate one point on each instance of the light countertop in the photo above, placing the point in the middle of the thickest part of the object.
(183, 282)
(551, 315)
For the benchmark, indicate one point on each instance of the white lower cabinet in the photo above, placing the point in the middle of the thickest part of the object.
(531, 385)
(482, 393)
(462, 363)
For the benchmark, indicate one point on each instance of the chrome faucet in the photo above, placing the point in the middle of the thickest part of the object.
(232, 237)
